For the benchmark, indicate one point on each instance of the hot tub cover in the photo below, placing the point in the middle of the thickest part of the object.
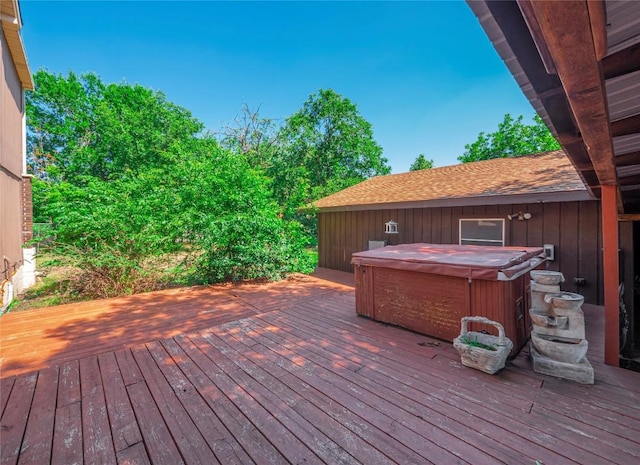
(468, 261)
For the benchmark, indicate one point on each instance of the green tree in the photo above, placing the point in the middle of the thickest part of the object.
(513, 138)
(251, 135)
(78, 126)
(325, 146)
(421, 163)
(210, 215)
(140, 198)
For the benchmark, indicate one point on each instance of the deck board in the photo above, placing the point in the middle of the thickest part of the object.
(124, 428)
(157, 437)
(6, 385)
(199, 368)
(394, 392)
(38, 437)
(220, 441)
(97, 442)
(192, 446)
(287, 373)
(67, 435)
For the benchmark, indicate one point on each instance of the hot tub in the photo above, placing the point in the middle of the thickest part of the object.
(428, 288)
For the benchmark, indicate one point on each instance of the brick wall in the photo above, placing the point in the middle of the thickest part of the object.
(27, 210)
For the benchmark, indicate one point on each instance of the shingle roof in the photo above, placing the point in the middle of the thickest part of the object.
(543, 173)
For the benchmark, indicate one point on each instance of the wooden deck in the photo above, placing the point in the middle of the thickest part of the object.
(287, 373)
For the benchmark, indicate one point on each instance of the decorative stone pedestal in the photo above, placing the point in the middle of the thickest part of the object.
(581, 372)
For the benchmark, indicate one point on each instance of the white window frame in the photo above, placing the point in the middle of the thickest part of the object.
(487, 241)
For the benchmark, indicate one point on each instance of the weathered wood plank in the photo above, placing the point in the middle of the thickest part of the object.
(220, 440)
(313, 375)
(128, 367)
(524, 392)
(199, 369)
(282, 392)
(190, 442)
(387, 399)
(157, 438)
(67, 436)
(38, 437)
(97, 441)
(6, 384)
(133, 455)
(124, 428)
(335, 421)
(330, 352)
(469, 385)
(286, 443)
(588, 437)
(14, 418)
(451, 402)
(69, 384)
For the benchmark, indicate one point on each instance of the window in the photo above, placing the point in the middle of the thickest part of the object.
(484, 231)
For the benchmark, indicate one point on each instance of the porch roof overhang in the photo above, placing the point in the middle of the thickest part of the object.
(578, 63)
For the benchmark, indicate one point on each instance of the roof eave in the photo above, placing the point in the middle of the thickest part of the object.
(511, 199)
(11, 25)
(566, 89)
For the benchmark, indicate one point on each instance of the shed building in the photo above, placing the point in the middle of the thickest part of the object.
(530, 201)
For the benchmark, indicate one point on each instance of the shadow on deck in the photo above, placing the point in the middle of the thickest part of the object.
(287, 373)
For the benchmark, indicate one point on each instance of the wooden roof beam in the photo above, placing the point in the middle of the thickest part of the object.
(598, 19)
(626, 126)
(627, 159)
(632, 180)
(622, 62)
(572, 33)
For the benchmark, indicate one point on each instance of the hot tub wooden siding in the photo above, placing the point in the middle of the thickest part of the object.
(433, 304)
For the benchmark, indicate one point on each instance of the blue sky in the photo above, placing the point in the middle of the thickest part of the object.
(423, 73)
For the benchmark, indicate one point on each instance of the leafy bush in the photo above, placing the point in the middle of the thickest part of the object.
(241, 247)
(210, 208)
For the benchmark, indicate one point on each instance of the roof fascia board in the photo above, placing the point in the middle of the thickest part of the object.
(8, 19)
(572, 196)
(11, 25)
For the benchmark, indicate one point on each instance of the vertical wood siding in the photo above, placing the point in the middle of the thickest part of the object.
(573, 227)
(11, 164)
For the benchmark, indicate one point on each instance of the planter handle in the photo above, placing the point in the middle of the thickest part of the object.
(482, 319)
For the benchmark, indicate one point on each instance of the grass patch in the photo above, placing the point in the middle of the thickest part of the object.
(54, 286)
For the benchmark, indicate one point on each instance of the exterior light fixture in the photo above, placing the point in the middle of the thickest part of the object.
(520, 216)
(391, 227)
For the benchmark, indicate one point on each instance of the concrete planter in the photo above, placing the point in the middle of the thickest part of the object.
(547, 277)
(564, 303)
(489, 361)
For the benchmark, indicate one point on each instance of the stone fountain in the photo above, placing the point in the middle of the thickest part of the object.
(558, 345)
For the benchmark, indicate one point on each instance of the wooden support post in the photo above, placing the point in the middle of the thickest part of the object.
(611, 272)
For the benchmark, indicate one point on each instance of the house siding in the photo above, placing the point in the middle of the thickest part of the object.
(11, 165)
(15, 188)
(573, 227)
